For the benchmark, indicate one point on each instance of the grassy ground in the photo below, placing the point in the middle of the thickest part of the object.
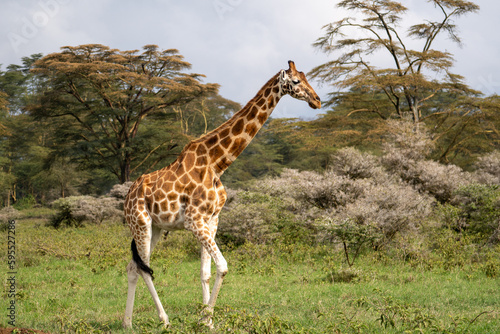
(74, 281)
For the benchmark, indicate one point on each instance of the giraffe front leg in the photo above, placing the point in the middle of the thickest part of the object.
(205, 274)
(221, 266)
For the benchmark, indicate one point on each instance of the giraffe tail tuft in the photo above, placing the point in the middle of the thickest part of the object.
(138, 261)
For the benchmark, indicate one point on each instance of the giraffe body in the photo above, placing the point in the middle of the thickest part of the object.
(188, 194)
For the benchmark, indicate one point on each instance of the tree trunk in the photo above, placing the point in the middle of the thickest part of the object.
(125, 169)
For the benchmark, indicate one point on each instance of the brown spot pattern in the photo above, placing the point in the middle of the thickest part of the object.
(238, 127)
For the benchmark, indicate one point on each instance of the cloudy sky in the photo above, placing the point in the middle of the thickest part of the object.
(238, 44)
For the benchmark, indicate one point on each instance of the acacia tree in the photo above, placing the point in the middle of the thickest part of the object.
(113, 108)
(404, 88)
(415, 83)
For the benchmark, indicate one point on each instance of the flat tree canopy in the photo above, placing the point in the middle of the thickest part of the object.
(113, 107)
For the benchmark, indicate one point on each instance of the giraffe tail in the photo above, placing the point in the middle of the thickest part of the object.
(138, 261)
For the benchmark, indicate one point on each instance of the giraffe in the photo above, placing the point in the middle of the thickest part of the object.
(188, 194)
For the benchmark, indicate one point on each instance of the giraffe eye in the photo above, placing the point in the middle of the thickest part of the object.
(295, 82)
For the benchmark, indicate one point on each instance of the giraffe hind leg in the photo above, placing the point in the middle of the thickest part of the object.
(140, 266)
(139, 262)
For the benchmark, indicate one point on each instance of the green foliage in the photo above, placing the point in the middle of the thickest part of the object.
(392, 313)
(479, 208)
(232, 320)
(474, 212)
(27, 202)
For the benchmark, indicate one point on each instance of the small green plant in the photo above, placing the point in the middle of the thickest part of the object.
(457, 325)
(27, 202)
(479, 206)
(491, 268)
(353, 237)
(64, 217)
(343, 275)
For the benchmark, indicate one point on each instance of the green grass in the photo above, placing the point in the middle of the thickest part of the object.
(74, 281)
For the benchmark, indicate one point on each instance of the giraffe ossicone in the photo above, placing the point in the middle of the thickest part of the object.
(188, 194)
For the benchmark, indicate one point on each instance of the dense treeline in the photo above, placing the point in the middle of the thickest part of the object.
(80, 120)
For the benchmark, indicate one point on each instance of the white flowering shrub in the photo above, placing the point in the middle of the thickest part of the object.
(361, 199)
(392, 207)
(120, 190)
(354, 164)
(404, 156)
(363, 194)
(438, 180)
(488, 168)
(74, 210)
(8, 213)
(325, 191)
(406, 145)
(412, 141)
(249, 216)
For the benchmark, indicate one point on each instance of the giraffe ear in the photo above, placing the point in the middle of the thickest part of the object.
(283, 76)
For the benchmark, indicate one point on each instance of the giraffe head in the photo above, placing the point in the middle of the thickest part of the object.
(295, 84)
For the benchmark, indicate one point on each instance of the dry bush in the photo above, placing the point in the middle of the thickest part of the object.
(439, 180)
(488, 168)
(404, 156)
(410, 140)
(9, 213)
(354, 164)
(74, 210)
(325, 191)
(378, 200)
(360, 199)
(392, 207)
(250, 216)
(96, 210)
(406, 144)
(120, 190)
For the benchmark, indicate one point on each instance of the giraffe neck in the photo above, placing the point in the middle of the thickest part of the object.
(225, 143)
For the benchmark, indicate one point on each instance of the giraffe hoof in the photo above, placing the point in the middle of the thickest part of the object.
(207, 321)
(166, 322)
(127, 323)
(206, 318)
